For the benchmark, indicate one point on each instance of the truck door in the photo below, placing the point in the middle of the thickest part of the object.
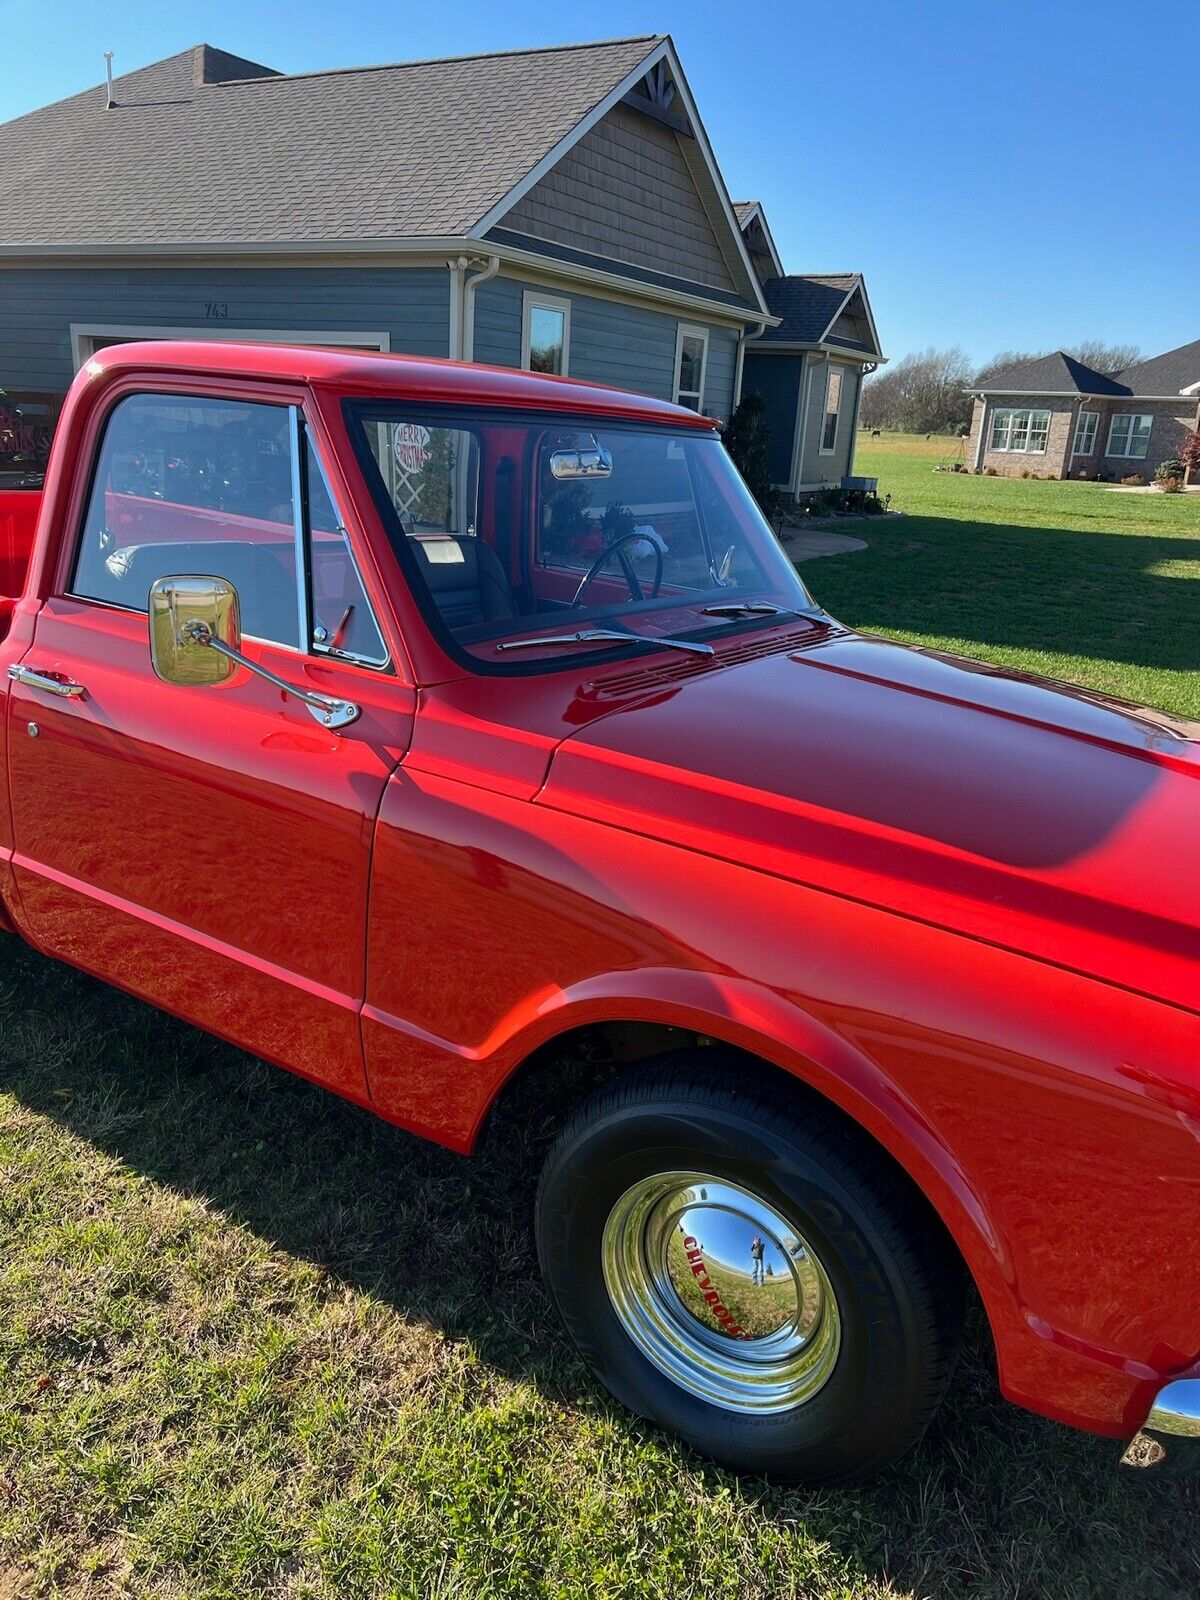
(209, 849)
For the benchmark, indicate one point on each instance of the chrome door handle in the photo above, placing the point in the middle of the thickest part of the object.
(62, 687)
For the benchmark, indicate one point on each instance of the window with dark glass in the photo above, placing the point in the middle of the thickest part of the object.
(833, 405)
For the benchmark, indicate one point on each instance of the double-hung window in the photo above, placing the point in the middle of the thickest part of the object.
(833, 405)
(546, 334)
(1129, 435)
(1085, 433)
(691, 358)
(1020, 430)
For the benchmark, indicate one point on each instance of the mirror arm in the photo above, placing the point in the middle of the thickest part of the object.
(330, 713)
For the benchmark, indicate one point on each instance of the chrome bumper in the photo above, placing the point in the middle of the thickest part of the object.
(1169, 1440)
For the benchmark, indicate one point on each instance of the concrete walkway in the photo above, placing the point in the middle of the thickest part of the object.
(806, 544)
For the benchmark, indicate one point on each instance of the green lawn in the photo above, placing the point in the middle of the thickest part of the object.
(1067, 579)
(254, 1343)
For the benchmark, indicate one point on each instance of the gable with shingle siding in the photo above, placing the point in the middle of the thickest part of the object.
(625, 191)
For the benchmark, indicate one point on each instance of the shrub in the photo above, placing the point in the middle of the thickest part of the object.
(1132, 480)
(1169, 472)
(747, 439)
(990, 472)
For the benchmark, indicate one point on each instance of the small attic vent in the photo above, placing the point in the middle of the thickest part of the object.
(655, 96)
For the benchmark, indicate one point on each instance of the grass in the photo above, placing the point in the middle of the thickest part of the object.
(255, 1343)
(1070, 580)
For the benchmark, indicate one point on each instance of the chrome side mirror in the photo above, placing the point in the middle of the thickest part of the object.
(186, 616)
(196, 640)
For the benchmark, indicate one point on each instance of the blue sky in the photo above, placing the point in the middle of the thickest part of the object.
(1004, 177)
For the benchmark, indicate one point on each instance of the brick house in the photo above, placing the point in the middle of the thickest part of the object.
(1057, 417)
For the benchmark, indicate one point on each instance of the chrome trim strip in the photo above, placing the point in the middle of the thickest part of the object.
(298, 520)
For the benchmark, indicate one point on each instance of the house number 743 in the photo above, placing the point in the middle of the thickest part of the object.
(216, 310)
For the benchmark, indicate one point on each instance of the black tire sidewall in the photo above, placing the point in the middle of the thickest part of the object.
(864, 1410)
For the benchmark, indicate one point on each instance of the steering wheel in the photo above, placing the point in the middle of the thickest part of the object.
(636, 592)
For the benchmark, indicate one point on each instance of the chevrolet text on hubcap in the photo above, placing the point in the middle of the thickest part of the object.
(720, 1292)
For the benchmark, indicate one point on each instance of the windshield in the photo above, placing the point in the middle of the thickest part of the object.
(526, 539)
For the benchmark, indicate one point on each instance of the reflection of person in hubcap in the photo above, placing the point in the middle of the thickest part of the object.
(756, 1257)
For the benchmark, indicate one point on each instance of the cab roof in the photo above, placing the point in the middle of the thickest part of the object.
(379, 376)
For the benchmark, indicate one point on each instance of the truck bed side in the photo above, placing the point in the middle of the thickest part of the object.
(19, 510)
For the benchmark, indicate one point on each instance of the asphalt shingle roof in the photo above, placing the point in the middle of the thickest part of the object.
(807, 305)
(1167, 374)
(1053, 374)
(206, 148)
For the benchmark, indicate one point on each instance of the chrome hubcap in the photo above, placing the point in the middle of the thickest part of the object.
(721, 1292)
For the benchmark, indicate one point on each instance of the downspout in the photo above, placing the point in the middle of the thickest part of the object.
(745, 334)
(865, 371)
(458, 265)
(983, 426)
(469, 287)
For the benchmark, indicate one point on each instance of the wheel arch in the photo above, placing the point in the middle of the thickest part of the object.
(617, 1027)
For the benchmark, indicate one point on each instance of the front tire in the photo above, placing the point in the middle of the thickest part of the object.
(739, 1265)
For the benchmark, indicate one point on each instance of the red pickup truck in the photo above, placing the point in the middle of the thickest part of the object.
(416, 726)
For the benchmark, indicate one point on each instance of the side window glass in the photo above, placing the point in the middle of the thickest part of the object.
(343, 623)
(190, 485)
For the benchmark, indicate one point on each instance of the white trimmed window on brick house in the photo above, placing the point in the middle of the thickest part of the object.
(1129, 435)
(1085, 433)
(1021, 430)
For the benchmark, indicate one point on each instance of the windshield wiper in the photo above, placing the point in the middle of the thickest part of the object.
(736, 608)
(605, 636)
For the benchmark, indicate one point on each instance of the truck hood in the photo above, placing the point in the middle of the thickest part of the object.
(1038, 817)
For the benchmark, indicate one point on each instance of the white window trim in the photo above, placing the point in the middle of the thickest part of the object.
(83, 335)
(1134, 418)
(822, 448)
(548, 302)
(1013, 411)
(1084, 416)
(691, 330)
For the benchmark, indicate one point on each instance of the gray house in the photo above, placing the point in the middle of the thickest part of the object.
(808, 363)
(557, 209)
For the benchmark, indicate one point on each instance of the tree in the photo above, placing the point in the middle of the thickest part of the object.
(747, 438)
(1006, 358)
(923, 393)
(1107, 358)
(1189, 454)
